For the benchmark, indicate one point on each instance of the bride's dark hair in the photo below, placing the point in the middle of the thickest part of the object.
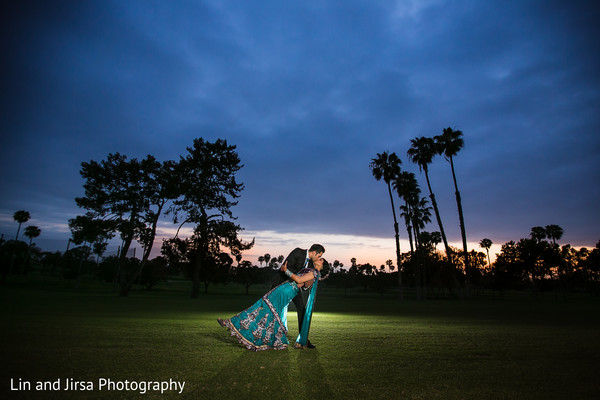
(326, 269)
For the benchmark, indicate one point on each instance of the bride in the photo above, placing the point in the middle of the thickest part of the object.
(263, 325)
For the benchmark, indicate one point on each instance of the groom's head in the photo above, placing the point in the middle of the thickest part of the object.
(315, 252)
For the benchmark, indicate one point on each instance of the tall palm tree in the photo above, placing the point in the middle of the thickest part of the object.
(21, 217)
(554, 232)
(449, 143)
(421, 152)
(387, 167)
(486, 244)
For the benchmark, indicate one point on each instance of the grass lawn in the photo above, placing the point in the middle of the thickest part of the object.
(367, 347)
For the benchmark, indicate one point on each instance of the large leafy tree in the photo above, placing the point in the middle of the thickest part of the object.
(206, 192)
(421, 152)
(449, 143)
(115, 192)
(159, 188)
(127, 196)
(387, 167)
(21, 217)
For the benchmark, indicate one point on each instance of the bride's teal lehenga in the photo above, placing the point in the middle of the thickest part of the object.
(263, 326)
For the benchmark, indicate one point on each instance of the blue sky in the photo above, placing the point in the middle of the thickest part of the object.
(309, 94)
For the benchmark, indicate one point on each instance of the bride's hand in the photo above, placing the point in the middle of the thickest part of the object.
(283, 267)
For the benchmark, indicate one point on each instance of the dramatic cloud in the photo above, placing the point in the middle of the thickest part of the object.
(309, 94)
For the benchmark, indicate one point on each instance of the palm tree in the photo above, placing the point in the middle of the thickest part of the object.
(486, 244)
(32, 232)
(554, 232)
(421, 152)
(266, 259)
(421, 216)
(387, 167)
(538, 233)
(449, 143)
(21, 217)
(435, 238)
(390, 264)
(407, 187)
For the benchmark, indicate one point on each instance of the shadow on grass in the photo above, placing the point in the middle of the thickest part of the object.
(312, 376)
(251, 375)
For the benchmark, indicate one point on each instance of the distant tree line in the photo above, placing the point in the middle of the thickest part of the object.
(537, 264)
(15, 255)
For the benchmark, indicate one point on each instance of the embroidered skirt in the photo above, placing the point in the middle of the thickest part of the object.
(263, 326)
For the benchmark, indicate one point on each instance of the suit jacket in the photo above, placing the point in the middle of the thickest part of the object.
(295, 260)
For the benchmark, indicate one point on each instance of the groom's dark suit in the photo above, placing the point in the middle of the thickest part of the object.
(295, 262)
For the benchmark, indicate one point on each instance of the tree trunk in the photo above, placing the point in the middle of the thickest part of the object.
(408, 228)
(129, 284)
(400, 293)
(196, 277)
(439, 220)
(461, 221)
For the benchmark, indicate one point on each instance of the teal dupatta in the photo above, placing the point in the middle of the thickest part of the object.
(302, 339)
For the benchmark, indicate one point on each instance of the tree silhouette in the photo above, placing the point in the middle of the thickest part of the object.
(486, 244)
(449, 143)
(538, 233)
(32, 232)
(21, 217)
(130, 194)
(420, 216)
(408, 189)
(206, 192)
(554, 232)
(387, 167)
(421, 152)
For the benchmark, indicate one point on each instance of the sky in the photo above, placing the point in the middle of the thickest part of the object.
(310, 92)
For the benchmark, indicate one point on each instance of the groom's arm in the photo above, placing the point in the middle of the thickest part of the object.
(295, 260)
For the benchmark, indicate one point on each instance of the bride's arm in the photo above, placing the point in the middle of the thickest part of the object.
(297, 278)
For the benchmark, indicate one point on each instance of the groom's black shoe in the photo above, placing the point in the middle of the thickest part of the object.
(309, 345)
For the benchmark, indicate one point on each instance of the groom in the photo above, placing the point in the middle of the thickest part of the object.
(299, 259)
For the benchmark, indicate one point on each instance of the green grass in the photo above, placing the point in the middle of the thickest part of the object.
(367, 347)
